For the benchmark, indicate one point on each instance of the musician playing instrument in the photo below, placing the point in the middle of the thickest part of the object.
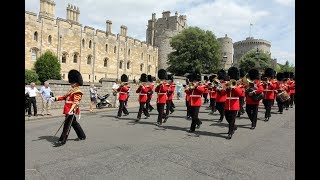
(292, 86)
(212, 89)
(254, 89)
(206, 90)
(71, 107)
(143, 90)
(280, 88)
(161, 90)
(188, 93)
(243, 87)
(123, 93)
(268, 90)
(150, 92)
(171, 88)
(288, 90)
(221, 99)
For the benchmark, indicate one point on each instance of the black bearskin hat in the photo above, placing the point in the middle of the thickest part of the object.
(124, 78)
(170, 77)
(286, 74)
(242, 73)
(211, 78)
(269, 72)
(291, 74)
(222, 74)
(194, 76)
(253, 74)
(162, 74)
(150, 78)
(280, 76)
(274, 74)
(205, 78)
(143, 77)
(74, 76)
(234, 73)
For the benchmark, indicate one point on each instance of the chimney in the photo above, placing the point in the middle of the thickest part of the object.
(108, 28)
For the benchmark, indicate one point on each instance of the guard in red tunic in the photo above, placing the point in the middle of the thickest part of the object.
(188, 93)
(171, 87)
(288, 90)
(292, 86)
(195, 100)
(232, 104)
(71, 107)
(150, 92)
(243, 87)
(212, 91)
(206, 90)
(268, 91)
(123, 94)
(161, 90)
(279, 88)
(143, 90)
(254, 90)
(221, 98)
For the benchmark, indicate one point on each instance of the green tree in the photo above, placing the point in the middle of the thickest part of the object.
(47, 67)
(31, 76)
(287, 67)
(254, 59)
(194, 49)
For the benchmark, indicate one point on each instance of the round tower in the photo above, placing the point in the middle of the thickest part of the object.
(226, 50)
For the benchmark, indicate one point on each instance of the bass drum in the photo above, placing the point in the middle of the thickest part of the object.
(283, 96)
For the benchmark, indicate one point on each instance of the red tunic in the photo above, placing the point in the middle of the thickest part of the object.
(232, 100)
(188, 93)
(196, 95)
(268, 90)
(293, 87)
(259, 90)
(72, 97)
(213, 93)
(123, 92)
(206, 88)
(221, 97)
(162, 93)
(170, 91)
(142, 90)
(150, 89)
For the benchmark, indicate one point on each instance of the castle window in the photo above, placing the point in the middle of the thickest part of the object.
(129, 52)
(148, 57)
(90, 44)
(224, 53)
(64, 58)
(35, 36)
(63, 76)
(89, 76)
(75, 58)
(95, 77)
(33, 55)
(149, 68)
(106, 47)
(120, 64)
(49, 39)
(105, 62)
(142, 56)
(89, 60)
(115, 49)
(128, 65)
(141, 67)
(83, 42)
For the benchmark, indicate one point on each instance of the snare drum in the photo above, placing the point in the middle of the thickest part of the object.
(283, 96)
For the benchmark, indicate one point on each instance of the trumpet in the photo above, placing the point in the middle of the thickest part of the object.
(231, 84)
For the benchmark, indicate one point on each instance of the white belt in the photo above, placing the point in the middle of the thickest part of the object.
(195, 95)
(123, 92)
(162, 93)
(69, 101)
(232, 97)
(143, 94)
(268, 90)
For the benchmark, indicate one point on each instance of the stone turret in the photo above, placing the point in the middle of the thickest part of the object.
(108, 26)
(73, 13)
(47, 8)
(123, 30)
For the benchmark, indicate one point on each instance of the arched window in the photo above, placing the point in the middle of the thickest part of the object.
(128, 65)
(141, 67)
(89, 60)
(129, 52)
(75, 58)
(120, 64)
(49, 39)
(106, 47)
(83, 42)
(142, 56)
(105, 62)
(149, 68)
(33, 54)
(115, 49)
(35, 36)
(64, 58)
(90, 44)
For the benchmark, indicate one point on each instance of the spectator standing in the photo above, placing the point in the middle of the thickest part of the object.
(93, 96)
(32, 101)
(179, 89)
(46, 94)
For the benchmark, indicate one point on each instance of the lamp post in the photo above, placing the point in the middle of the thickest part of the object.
(224, 60)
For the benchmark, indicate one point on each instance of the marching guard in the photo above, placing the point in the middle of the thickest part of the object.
(123, 95)
(268, 90)
(212, 91)
(243, 87)
(161, 90)
(292, 86)
(221, 98)
(170, 92)
(280, 90)
(206, 90)
(143, 94)
(71, 107)
(149, 107)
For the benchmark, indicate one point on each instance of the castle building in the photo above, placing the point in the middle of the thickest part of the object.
(95, 53)
(227, 51)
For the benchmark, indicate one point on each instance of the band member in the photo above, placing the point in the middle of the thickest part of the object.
(287, 84)
(268, 91)
(274, 81)
(71, 107)
(221, 98)
(212, 91)
(195, 100)
(161, 90)
(243, 87)
(206, 90)
(123, 93)
(292, 87)
(232, 104)
(280, 87)
(150, 92)
(188, 93)
(143, 94)
(170, 92)
(254, 89)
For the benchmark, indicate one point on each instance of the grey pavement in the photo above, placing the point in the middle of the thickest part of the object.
(125, 149)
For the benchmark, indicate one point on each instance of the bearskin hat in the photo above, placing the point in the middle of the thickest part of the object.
(222, 74)
(150, 78)
(143, 77)
(162, 74)
(205, 78)
(291, 74)
(211, 78)
(124, 78)
(234, 73)
(269, 72)
(286, 74)
(253, 74)
(74, 76)
(194, 76)
(242, 73)
(170, 77)
(280, 76)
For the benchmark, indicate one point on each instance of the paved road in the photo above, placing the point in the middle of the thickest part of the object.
(123, 149)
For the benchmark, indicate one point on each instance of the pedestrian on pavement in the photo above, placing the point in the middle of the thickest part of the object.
(71, 107)
(32, 91)
(179, 89)
(93, 96)
(46, 94)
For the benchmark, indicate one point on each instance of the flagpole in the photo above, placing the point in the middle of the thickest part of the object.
(250, 30)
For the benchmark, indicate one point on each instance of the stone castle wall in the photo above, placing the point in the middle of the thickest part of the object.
(227, 51)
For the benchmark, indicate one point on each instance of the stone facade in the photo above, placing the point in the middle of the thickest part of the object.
(227, 51)
(95, 53)
(161, 30)
(242, 47)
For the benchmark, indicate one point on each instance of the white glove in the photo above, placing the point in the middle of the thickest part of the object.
(70, 113)
(52, 98)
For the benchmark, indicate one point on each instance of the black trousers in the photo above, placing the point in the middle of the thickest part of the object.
(194, 111)
(33, 102)
(172, 105)
(75, 125)
(241, 99)
(213, 104)
(231, 119)
(220, 108)
(267, 105)
(160, 109)
(205, 98)
(280, 105)
(148, 105)
(142, 109)
(287, 103)
(169, 107)
(252, 111)
(292, 99)
(122, 108)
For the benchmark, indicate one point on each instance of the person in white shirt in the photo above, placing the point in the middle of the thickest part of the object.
(32, 101)
(93, 96)
(26, 88)
(115, 86)
(46, 93)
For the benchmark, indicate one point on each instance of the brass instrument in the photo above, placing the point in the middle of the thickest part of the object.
(231, 84)
(246, 80)
(191, 86)
(265, 80)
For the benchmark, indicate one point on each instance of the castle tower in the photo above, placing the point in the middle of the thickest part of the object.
(108, 26)
(123, 30)
(73, 13)
(47, 8)
(226, 50)
(160, 31)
